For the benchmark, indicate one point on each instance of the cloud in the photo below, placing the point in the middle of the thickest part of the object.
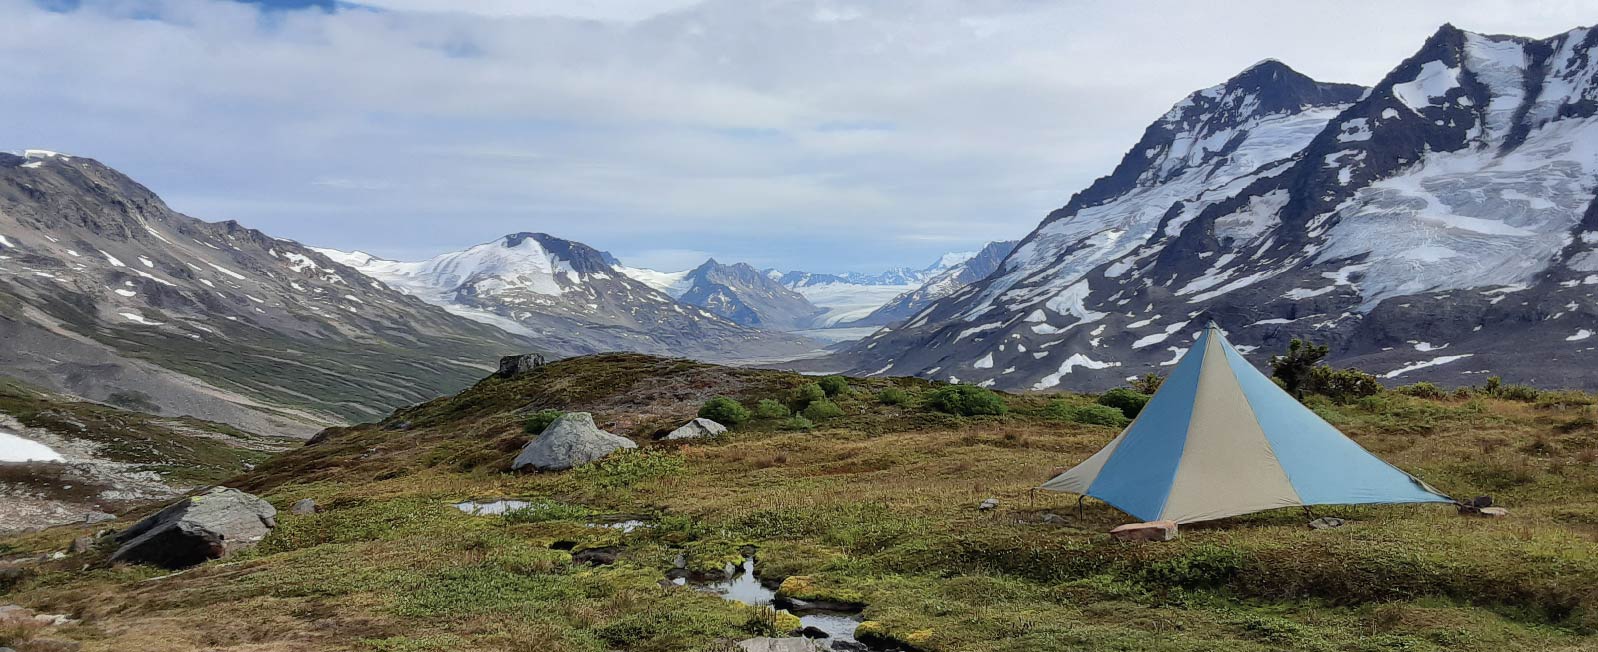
(816, 134)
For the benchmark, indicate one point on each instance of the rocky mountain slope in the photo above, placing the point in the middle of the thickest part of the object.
(1437, 226)
(108, 294)
(747, 296)
(943, 284)
(572, 299)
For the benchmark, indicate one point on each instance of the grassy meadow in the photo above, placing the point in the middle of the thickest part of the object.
(874, 503)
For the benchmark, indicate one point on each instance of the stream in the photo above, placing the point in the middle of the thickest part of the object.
(740, 585)
(743, 587)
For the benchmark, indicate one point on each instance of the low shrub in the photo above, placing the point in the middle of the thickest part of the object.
(834, 385)
(1129, 402)
(966, 400)
(893, 396)
(1519, 393)
(1422, 390)
(1341, 385)
(769, 409)
(808, 393)
(1098, 415)
(798, 422)
(724, 410)
(629, 467)
(822, 410)
(540, 420)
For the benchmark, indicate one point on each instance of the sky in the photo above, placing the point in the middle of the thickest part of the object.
(816, 135)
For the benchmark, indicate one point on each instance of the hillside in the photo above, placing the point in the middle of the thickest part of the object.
(109, 294)
(108, 460)
(876, 507)
(1449, 206)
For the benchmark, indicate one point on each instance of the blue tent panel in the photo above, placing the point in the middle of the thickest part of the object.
(1324, 466)
(1137, 478)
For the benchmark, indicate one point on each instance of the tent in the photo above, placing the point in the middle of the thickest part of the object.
(1220, 439)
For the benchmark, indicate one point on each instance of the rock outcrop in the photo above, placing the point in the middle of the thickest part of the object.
(697, 429)
(211, 525)
(570, 441)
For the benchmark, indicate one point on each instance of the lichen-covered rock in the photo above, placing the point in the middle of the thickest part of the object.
(305, 506)
(211, 525)
(697, 429)
(512, 365)
(570, 441)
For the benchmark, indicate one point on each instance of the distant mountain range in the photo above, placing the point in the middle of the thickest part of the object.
(1438, 226)
(572, 299)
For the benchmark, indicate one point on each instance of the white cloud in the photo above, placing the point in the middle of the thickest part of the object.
(810, 133)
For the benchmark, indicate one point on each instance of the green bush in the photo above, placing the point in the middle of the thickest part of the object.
(769, 409)
(540, 420)
(1129, 402)
(808, 393)
(724, 410)
(822, 410)
(1148, 383)
(626, 468)
(1293, 369)
(798, 422)
(1421, 389)
(834, 385)
(1519, 393)
(1341, 385)
(893, 396)
(1098, 415)
(966, 400)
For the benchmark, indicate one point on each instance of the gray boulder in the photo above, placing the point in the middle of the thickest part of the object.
(305, 506)
(794, 644)
(696, 429)
(211, 525)
(571, 440)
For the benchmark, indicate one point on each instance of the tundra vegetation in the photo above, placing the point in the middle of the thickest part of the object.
(874, 505)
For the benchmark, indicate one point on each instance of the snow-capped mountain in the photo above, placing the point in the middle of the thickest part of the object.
(1437, 226)
(747, 296)
(571, 298)
(969, 269)
(110, 295)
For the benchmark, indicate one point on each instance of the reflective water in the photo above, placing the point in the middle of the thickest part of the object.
(499, 507)
(743, 587)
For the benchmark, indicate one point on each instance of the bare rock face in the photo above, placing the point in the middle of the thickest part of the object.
(1150, 531)
(211, 525)
(570, 441)
(514, 365)
(697, 429)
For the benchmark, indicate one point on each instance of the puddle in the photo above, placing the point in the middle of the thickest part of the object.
(491, 507)
(17, 449)
(501, 507)
(743, 587)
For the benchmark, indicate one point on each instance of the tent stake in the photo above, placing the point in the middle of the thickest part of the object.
(1308, 513)
(1079, 500)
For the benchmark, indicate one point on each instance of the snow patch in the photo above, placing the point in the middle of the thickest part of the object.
(1424, 364)
(1076, 360)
